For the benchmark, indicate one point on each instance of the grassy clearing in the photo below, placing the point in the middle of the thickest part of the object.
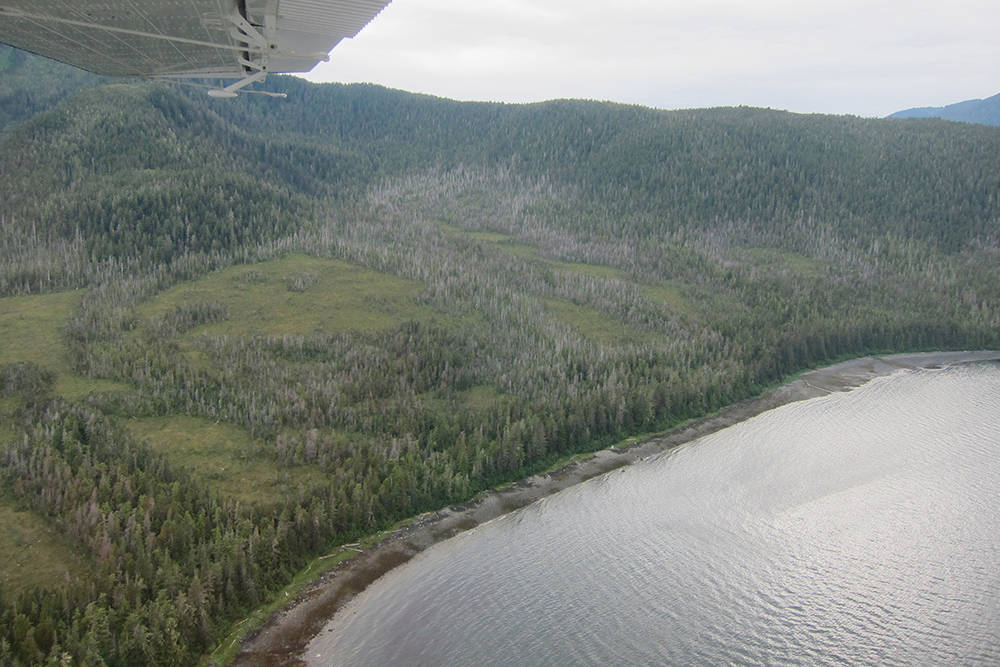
(489, 237)
(33, 553)
(776, 260)
(473, 235)
(694, 300)
(512, 246)
(480, 398)
(671, 295)
(593, 324)
(518, 249)
(298, 295)
(71, 386)
(592, 270)
(31, 330)
(223, 456)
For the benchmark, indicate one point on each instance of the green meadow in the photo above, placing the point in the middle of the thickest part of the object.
(223, 456)
(31, 329)
(672, 295)
(297, 295)
(774, 259)
(592, 323)
(34, 553)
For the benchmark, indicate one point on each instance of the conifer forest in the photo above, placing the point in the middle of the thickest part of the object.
(235, 334)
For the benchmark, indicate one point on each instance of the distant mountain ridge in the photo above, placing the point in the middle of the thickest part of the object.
(983, 112)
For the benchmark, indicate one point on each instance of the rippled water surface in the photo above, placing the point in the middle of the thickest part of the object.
(862, 527)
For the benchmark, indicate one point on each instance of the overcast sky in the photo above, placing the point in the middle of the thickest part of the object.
(863, 57)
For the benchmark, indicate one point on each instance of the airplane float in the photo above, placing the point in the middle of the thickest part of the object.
(243, 40)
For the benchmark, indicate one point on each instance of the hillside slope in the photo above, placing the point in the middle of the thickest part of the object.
(299, 321)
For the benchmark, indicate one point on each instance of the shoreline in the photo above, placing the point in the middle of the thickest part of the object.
(284, 637)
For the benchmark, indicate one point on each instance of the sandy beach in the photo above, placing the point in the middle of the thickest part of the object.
(282, 640)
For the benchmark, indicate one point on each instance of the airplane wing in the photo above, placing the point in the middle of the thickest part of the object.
(239, 39)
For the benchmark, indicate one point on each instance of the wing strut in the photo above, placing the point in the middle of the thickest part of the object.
(233, 89)
(245, 33)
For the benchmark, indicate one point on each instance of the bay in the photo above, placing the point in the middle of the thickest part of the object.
(856, 527)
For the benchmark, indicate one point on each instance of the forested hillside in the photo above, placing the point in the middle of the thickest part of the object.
(29, 84)
(238, 333)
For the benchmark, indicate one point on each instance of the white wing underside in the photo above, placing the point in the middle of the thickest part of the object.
(242, 39)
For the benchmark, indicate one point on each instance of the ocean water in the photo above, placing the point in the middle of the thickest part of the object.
(861, 527)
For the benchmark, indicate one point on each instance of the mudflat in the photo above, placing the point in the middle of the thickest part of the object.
(283, 639)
